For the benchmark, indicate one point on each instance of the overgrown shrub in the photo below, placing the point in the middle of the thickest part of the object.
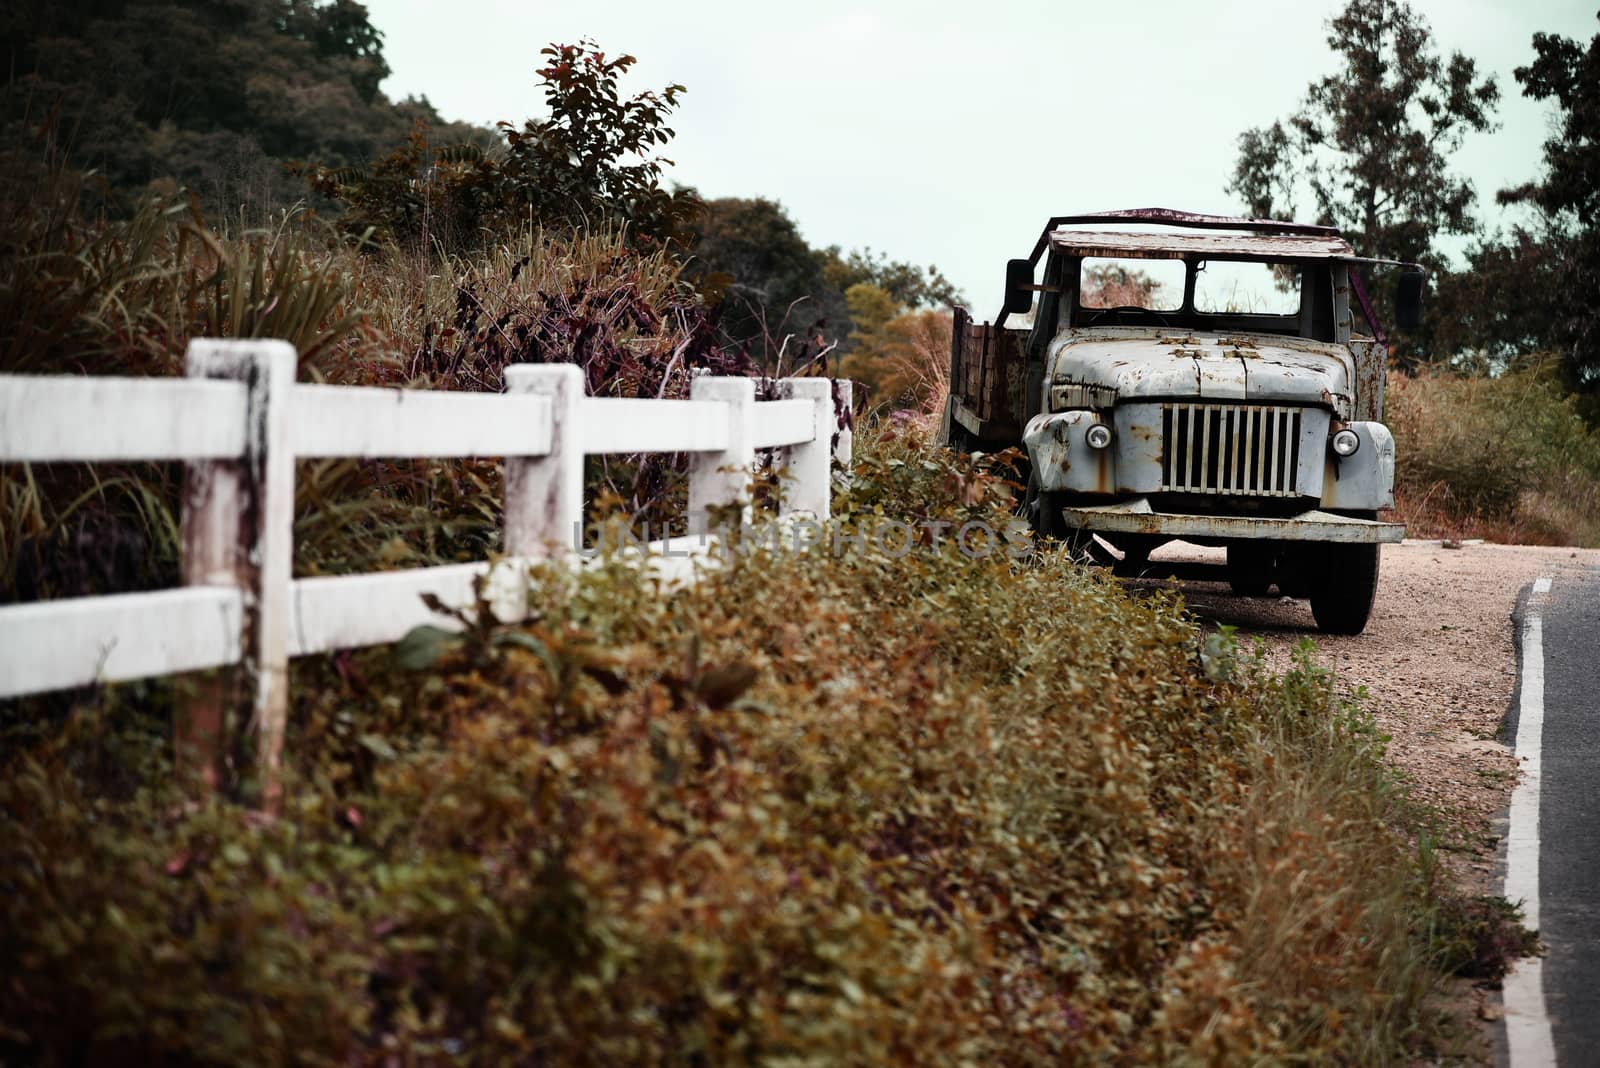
(817, 808)
(593, 162)
(87, 294)
(1507, 457)
(80, 293)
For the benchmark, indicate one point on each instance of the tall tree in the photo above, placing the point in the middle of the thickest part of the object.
(1372, 141)
(594, 161)
(1569, 197)
(1505, 304)
(898, 356)
(340, 28)
(906, 283)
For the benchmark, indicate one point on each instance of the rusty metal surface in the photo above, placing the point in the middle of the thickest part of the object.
(1244, 246)
(1062, 459)
(1193, 220)
(966, 417)
(1363, 481)
(1137, 517)
(958, 335)
(1172, 217)
(1263, 228)
(1372, 359)
(1142, 362)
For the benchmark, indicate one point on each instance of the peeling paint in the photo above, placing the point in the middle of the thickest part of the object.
(1265, 247)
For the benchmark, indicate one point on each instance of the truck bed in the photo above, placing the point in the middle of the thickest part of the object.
(988, 392)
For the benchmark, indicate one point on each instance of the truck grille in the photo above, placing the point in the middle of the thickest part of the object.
(1234, 449)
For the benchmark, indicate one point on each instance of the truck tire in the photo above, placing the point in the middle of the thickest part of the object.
(1249, 570)
(1343, 586)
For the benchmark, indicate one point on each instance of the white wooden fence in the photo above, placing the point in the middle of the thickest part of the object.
(240, 421)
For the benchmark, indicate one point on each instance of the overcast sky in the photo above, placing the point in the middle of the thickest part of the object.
(948, 133)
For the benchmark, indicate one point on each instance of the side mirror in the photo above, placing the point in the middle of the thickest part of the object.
(1408, 300)
(1019, 277)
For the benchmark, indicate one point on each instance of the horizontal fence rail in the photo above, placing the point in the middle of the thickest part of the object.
(350, 611)
(238, 422)
(628, 425)
(359, 421)
(58, 417)
(55, 645)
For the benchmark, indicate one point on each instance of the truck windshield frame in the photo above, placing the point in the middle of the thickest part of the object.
(1186, 314)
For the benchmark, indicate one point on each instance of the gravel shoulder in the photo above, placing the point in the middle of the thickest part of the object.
(1438, 661)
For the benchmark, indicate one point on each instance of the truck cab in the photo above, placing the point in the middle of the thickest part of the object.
(1200, 378)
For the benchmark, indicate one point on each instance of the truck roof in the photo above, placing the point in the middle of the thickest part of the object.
(1245, 239)
(1271, 246)
(1190, 220)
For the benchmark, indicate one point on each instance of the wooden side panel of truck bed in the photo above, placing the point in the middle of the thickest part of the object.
(987, 380)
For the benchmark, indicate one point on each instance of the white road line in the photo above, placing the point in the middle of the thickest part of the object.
(1527, 1022)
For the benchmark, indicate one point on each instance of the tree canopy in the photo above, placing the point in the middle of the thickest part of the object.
(213, 95)
(254, 105)
(1371, 143)
(1568, 195)
(593, 161)
(775, 286)
(597, 156)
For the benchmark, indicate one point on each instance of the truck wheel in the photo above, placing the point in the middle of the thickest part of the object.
(1343, 586)
(1249, 570)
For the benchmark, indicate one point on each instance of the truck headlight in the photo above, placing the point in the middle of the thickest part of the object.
(1097, 436)
(1345, 442)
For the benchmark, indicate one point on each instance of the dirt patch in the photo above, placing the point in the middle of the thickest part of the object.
(1438, 663)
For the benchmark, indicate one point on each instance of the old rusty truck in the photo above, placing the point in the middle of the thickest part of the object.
(1201, 378)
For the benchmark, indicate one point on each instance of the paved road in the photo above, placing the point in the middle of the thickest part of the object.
(1569, 816)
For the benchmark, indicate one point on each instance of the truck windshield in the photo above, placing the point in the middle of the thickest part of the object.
(1130, 283)
(1222, 287)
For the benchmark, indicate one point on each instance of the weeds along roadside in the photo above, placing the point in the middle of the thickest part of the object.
(85, 294)
(839, 809)
(1507, 458)
(930, 808)
(79, 294)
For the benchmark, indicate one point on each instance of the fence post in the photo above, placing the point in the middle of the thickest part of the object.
(722, 479)
(810, 464)
(544, 494)
(238, 530)
(844, 421)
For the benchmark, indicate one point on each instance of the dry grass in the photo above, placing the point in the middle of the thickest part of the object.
(921, 357)
(855, 810)
(932, 810)
(1509, 459)
(1322, 806)
(408, 293)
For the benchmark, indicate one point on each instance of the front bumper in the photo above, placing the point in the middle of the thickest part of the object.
(1137, 517)
(1141, 460)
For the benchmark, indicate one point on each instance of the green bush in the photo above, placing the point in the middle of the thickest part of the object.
(1509, 456)
(594, 161)
(812, 809)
